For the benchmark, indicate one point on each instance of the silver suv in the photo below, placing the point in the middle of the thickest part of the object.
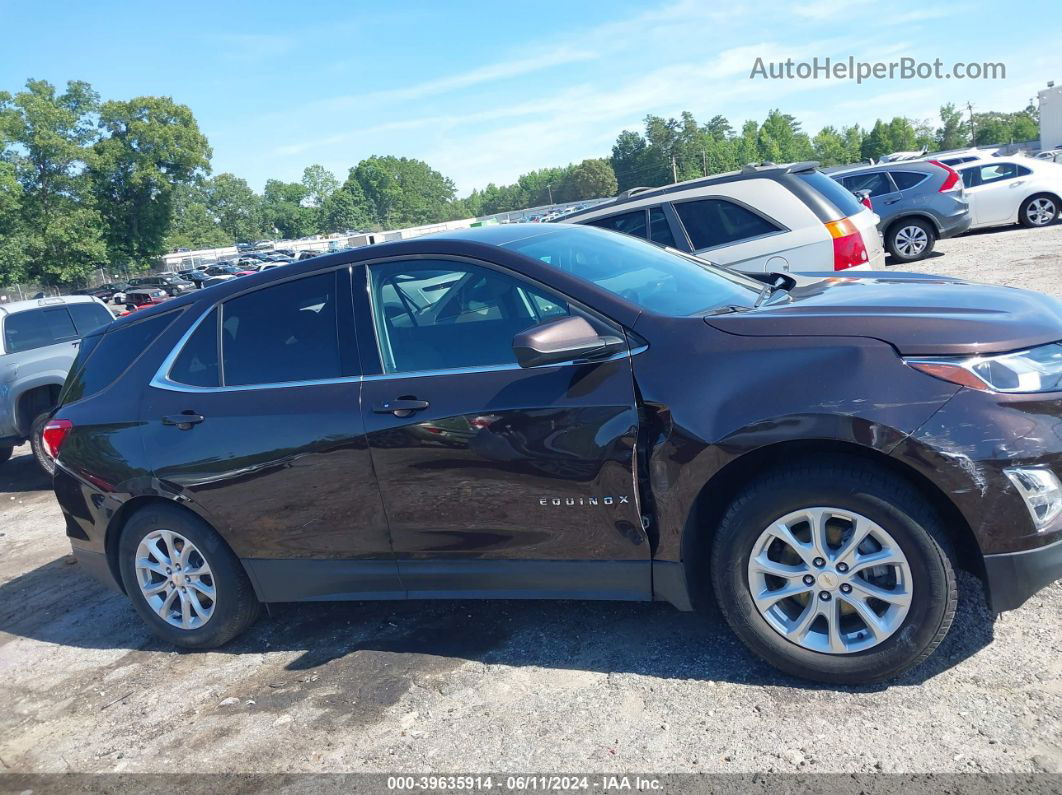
(761, 218)
(38, 343)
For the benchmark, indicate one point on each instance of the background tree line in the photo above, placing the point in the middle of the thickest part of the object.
(86, 183)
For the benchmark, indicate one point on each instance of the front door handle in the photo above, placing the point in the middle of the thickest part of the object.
(184, 421)
(400, 407)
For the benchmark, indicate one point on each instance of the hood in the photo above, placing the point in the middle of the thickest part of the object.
(917, 314)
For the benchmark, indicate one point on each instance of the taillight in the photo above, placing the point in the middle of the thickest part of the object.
(866, 202)
(54, 435)
(952, 181)
(849, 250)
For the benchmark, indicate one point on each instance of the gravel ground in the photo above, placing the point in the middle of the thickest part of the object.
(506, 686)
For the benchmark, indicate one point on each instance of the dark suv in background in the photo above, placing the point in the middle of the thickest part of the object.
(555, 411)
(918, 203)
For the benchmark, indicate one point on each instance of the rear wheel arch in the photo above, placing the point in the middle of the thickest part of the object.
(719, 492)
(126, 512)
(908, 217)
(33, 402)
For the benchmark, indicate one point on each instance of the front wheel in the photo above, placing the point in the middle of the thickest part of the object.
(835, 573)
(183, 580)
(910, 240)
(1038, 211)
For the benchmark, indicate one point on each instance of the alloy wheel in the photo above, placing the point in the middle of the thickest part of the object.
(830, 580)
(1040, 211)
(175, 579)
(911, 241)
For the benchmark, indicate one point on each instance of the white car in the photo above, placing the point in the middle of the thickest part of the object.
(760, 219)
(1010, 190)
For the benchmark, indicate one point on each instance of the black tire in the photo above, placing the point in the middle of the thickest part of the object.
(856, 486)
(901, 235)
(1045, 220)
(235, 608)
(5, 453)
(44, 461)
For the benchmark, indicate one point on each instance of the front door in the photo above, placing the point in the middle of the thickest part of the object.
(496, 479)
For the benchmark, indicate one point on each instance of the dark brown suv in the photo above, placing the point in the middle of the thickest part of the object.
(562, 412)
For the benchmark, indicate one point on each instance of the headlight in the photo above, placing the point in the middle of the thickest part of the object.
(1034, 370)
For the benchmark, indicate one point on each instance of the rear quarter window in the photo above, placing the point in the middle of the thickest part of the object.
(905, 180)
(104, 357)
(719, 222)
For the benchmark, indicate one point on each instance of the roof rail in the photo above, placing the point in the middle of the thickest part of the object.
(630, 192)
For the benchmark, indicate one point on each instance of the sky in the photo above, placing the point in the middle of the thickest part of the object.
(485, 92)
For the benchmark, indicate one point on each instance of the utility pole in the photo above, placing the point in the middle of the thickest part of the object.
(973, 125)
(674, 170)
(550, 189)
(704, 163)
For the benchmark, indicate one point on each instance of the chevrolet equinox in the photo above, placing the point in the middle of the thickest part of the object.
(563, 412)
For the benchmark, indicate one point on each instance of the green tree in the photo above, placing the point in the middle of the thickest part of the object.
(13, 243)
(877, 142)
(319, 183)
(238, 209)
(192, 224)
(831, 148)
(44, 135)
(590, 179)
(629, 159)
(902, 135)
(152, 145)
(952, 132)
(346, 208)
(284, 209)
(403, 191)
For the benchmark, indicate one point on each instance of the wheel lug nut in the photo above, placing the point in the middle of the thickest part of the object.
(809, 580)
(819, 563)
(825, 596)
(842, 567)
(846, 588)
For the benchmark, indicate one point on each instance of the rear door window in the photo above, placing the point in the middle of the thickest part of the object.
(282, 334)
(38, 328)
(632, 223)
(876, 182)
(719, 222)
(997, 172)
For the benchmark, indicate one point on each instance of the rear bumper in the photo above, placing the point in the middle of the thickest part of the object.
(1015, 576)
(95, 565)
(954, 225)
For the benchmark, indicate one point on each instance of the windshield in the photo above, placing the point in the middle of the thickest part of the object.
(656, 279)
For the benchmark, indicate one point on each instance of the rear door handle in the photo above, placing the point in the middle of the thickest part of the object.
(400, 407)
(183, 421)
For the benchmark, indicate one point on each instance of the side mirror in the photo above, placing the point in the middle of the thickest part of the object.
(563, 340)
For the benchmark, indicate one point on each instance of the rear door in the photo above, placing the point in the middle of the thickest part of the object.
(497, 479)
(994, 192)
(267, 439)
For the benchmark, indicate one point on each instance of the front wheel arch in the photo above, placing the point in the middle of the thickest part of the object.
(715, 497)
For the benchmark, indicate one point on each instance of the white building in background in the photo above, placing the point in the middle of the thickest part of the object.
(1051, 117)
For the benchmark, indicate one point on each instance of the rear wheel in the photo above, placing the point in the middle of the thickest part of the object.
(910, 240)
(37, 444)
(1038, 211)
(836, 573)
(183, 580)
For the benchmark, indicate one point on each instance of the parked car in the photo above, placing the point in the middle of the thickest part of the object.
(621, 421)
(220, 279)
(222, 269)
(104, 292)
(143, 297)
(244, 246)
(261, 245)
(759, 219)
(1051, 156)
(287, 252)
(1012, 190)
(172, 284)
(38, 342)
(306, 255)
(917, 202)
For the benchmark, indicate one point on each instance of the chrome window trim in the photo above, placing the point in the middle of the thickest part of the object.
(161, 379)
